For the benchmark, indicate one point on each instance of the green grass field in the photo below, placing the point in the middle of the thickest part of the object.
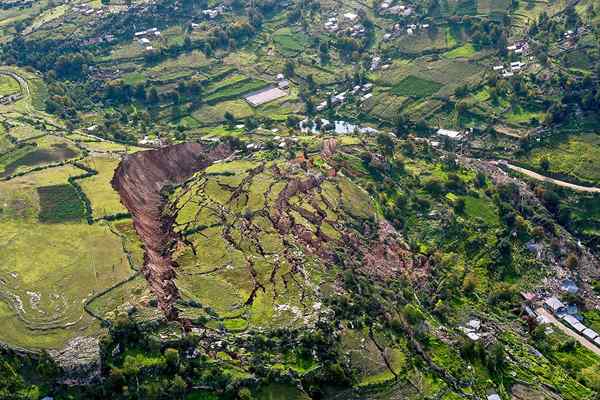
(104, 199)
(289, 42)
(8, 85)
(59, 203)
(411, 86)
(47, 291)
(464, 51)
(577, 156)
(238, 88)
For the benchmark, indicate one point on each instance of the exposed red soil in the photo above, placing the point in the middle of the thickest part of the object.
(140, 179)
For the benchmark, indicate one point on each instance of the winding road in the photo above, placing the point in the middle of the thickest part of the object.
(536, 176)
(563, 328)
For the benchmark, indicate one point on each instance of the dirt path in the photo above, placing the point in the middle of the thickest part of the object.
(583, 341)
(535, 175)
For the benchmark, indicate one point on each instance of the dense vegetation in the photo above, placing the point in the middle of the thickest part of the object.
(348, 249)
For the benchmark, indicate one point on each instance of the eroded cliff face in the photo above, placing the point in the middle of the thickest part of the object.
(140, 179)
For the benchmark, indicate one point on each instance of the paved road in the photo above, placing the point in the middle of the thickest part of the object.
(584, 342)
(535, 175)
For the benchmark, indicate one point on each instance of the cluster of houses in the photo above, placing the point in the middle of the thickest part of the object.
(472, 330)
(153, 142)
(520, 47)
(339, 98)
(144, 38)
(562, 312)
(282, 83)
(348, 23)
(212, 13)
(99, 40)
(509, 70)
(386, 7)
(11, 98)
(450, 134)
(409, 29)
(86, 9)
(570, 37)
(377, 63)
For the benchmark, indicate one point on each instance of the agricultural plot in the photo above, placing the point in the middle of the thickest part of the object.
(464, 51)
(8, 85)
(59, 203)
(221, 211)
(210, 114)
(231, 91)
(412, 86)
(576, 156)
(103, 198)
(493, 6)
(290, 43)
(439, 38)
(42, 297)
(459, 7)
(445, 72)
(46, 150)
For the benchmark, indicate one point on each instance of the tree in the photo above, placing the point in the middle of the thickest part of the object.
(229, 118)
(292, 121)
(572, 262)
(178, 386)
(591, 377)
(288, 70)
(459, 205)
(496, 358)
(545, 164)
(551, 200)
(245, 394)
(153, 97)
(250, 124)
(387, 143)
(172, 358)
(470, 283)
(434, 187)
(480, 179)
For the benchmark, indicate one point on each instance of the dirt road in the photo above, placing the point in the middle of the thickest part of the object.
(535, 175)
(584, 342)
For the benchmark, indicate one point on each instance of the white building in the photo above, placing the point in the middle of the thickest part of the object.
(454, 135)
(351, 17)
(555, 305)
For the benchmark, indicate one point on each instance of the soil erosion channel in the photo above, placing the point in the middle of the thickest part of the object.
(139, 179)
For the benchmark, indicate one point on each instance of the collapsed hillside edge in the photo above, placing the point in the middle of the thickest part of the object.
(140, 179)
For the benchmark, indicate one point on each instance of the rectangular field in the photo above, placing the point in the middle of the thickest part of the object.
(416, 87)
(59, 203)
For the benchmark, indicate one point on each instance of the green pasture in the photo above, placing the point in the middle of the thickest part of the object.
(411, 86)
(464, 51)
(289, 42)
(104, 199)
(577, 156)
(8, 85)
(47, 150)
(50, 269)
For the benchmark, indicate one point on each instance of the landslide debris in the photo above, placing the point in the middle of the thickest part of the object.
(140, 180)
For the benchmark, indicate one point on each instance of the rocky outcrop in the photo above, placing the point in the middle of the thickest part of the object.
(79, 361)
(140, 180)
